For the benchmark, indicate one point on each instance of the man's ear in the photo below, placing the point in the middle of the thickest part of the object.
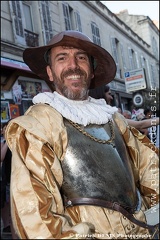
(49, 72)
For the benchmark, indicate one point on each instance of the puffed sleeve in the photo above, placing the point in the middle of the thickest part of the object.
(144, 156)
(36, 203)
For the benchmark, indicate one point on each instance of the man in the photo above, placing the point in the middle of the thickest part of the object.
(71, 177)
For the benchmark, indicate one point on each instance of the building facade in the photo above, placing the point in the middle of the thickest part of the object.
(147, 30)
(33, 23)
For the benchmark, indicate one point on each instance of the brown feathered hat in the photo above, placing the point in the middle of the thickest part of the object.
(104, 70)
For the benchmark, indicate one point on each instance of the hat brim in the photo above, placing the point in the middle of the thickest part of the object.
(105, 66)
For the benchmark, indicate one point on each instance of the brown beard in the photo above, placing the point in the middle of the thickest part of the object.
(65, 91)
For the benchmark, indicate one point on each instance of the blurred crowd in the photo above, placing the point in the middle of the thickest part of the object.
(144, 119)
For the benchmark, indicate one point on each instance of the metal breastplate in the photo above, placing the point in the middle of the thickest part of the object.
(96, 170)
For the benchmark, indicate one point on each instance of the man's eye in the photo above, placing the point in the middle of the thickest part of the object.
(61, 59)
(82, 57)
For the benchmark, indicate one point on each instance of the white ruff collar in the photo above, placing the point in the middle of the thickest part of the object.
(90, 111)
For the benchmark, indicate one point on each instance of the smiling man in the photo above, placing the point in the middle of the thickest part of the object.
(78, 170)
(73, 72)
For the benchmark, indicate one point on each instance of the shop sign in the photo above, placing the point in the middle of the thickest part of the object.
(138, 100)
(135, 80)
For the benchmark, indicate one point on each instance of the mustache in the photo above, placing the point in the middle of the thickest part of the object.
(75, 71)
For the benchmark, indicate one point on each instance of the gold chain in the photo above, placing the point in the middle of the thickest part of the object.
(110, 141)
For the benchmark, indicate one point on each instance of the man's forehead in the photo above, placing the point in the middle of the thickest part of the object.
(58, 48)
(68, 47)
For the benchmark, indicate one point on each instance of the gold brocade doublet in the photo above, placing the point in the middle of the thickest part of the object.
(40, 151)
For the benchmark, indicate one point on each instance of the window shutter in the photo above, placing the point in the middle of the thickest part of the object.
(115, 55)
(78, 22)
(66, 16)
(95, 34)
(18, 29)
(46, 21)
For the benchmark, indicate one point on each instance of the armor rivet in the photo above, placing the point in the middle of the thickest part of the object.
(69, 202)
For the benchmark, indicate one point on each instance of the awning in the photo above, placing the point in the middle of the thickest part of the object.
(16, 68)
(14, 64)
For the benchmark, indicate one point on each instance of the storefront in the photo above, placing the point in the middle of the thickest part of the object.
(18, 86)
(122, 100)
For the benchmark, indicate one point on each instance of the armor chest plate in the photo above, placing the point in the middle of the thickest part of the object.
(96, 170)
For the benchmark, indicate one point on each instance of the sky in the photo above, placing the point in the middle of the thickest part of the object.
(147, 8)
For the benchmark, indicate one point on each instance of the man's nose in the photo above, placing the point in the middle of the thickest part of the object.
(73, 62)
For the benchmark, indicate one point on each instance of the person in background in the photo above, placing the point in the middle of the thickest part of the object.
(68, 145)
(151, 131)
(108, 95)
(138, 114)
(104, 92)
(143, 124)
(120, 110)
(147, 113)
(127, 114)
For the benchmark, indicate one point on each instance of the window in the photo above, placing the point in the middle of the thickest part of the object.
(144, 65)
(153, 77)
(18, 23)
(132, 59)
(114, 50)
(137, 60)
(71, 18)
(27, 17)
(46, 21)
(143, 61)
(149, 74)
(78, 21)
(95, 34)
(114, 44)
(67, 17)
(22, 24)
(123, 62)
(154, 47)
(119, 56)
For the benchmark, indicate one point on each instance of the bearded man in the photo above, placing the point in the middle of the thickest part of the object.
(78, 170)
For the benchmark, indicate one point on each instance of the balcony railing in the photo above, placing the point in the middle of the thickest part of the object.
(31, 38)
